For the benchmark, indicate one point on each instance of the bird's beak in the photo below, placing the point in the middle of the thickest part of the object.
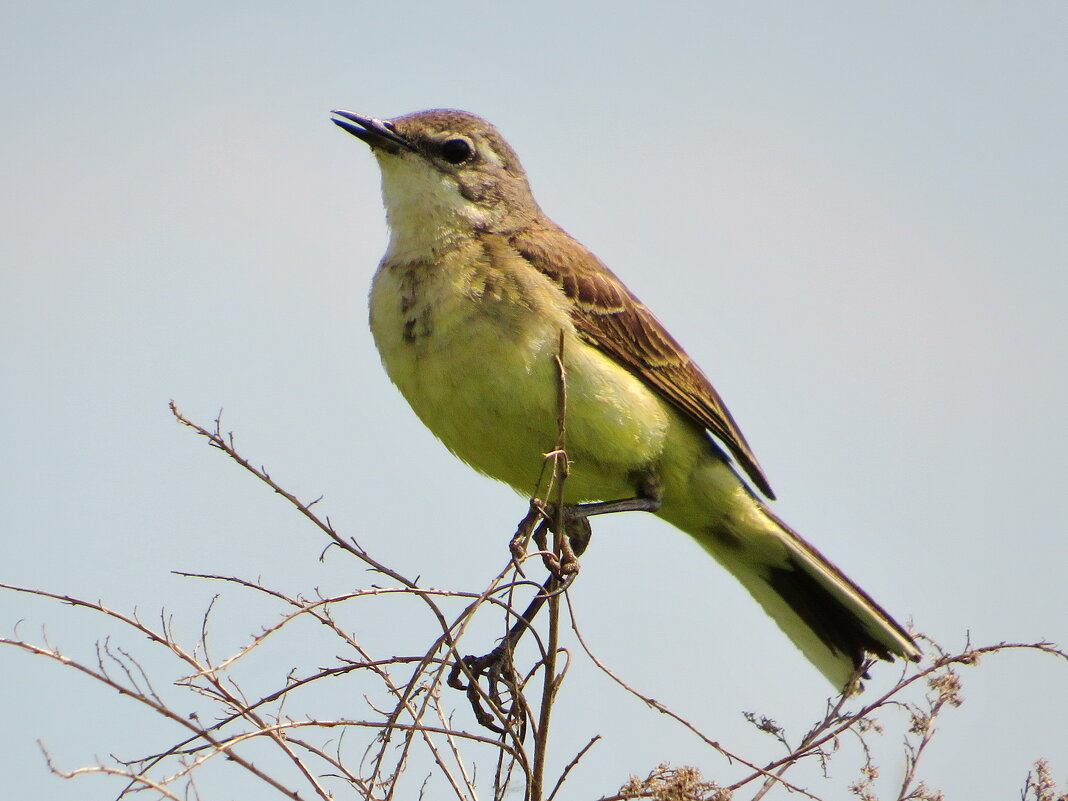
(375, 132)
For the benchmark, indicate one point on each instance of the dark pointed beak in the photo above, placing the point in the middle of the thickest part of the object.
(375, 132)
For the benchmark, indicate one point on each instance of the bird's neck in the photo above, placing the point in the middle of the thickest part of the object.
(426, 212)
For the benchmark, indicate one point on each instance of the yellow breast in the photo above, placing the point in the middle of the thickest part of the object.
(471, 341)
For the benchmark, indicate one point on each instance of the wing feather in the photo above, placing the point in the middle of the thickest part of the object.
(612, 319)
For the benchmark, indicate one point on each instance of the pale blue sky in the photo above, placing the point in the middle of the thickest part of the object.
(854, 219)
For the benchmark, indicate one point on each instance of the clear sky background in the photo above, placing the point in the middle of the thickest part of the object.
(855, 217)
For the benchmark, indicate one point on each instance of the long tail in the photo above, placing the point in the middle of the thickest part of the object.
(833, 621)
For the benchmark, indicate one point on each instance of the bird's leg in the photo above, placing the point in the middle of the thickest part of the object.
(639, 504)
(572, 535)
(648, 498)
(577, 532)
(574, 519)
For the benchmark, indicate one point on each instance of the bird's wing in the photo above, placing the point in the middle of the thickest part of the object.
(612, 319)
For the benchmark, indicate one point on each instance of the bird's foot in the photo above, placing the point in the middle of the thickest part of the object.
(574, 534)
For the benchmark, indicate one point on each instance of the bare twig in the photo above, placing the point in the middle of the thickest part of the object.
(415, 721)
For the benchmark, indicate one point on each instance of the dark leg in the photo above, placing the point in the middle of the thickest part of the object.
(582, 510)
(647, 498)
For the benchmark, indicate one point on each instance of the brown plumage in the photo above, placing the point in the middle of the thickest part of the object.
(612, 319)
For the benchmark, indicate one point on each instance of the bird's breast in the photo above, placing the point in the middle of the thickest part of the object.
(462, 341)
(471, 339)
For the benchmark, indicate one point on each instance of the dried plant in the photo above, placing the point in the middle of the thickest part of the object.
(406, 742)
(1040, 785)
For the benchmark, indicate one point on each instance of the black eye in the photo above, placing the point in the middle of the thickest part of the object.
(456, 151)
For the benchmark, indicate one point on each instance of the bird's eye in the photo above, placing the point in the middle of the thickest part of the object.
(456, 151)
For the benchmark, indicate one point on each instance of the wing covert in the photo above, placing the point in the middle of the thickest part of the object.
(614, 320)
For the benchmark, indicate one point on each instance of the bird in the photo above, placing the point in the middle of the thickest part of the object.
(477, 296)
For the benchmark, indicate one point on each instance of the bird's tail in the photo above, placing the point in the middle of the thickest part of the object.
(833, 621)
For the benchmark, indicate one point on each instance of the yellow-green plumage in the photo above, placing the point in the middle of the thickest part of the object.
(474, 350)
(469, 306)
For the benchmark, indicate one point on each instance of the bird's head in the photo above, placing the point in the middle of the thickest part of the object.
(445, 170)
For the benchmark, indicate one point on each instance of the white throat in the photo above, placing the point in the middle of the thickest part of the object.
(424, 208)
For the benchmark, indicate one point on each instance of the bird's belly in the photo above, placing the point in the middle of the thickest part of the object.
(482, 374)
